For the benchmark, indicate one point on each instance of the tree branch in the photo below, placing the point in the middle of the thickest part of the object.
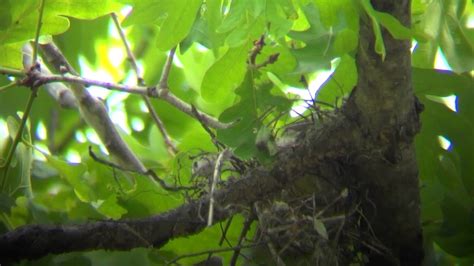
(152, 92)
(289, 172)
(94, 113)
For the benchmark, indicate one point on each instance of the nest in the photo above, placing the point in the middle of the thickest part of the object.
(302, 232)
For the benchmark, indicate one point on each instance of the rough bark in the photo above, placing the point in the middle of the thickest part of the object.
(366, 146)
(384, 106)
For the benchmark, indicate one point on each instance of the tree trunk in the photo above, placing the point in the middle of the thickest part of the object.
(386, 110)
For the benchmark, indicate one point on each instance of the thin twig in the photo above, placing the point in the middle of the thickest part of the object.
(11, 72)
(163, 84)
(224, 231)
(248, 222)
(149, 172)
(217, 173)
(18, 135)
(38, 31)
(141, 82)
(10, 85)
(214, 140)
(172, 149)
(141, 90)
(270, 60)
(29, 104)
(257, 48)
(131, 57)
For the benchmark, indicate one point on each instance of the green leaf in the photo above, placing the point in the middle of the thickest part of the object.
(225, 74)
(174, 18)
(11, 55)
(24, 16)
(445, 25)
(322, 45)
(265, 141)
(6, 202)
(110, 208)
(340, 83)
(456, 44)
(5, 15)
(246, 115)
(320, 228)
(21, 177)
(372, 13)
(178, 23)
(456, 232)
(440, 82)
(74, 174)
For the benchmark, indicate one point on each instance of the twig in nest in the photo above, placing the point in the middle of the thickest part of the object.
(149, 173)
(217, 173)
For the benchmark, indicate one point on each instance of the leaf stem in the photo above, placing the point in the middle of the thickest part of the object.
(6, 87)
(38, 31)
(24, 118)
(11, 72)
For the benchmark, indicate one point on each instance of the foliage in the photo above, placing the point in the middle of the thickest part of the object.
(54, 180)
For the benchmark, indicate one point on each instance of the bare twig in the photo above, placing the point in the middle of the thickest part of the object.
(38, 31)
(217, 173)
(257, 48)
(163, 84)
(149, 91)
(207, 129)
(141, 82)
(33, 68)
(10, 85)
(270, 60)
(148, 172)
(224, 232)
(248, 222)
(131, 56)
(11, 72)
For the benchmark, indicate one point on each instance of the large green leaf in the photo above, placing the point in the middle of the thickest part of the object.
(446, 174)
(21, 23)
(246, 114)
(445, 25)
(174, 19)
(323, 44)
(225, 74)
(341, 82)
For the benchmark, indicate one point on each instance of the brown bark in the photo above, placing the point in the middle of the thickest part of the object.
(384, 106)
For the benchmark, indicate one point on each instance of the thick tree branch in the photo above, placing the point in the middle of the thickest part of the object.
(289, 172)
(94, 113)
(60, 92)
